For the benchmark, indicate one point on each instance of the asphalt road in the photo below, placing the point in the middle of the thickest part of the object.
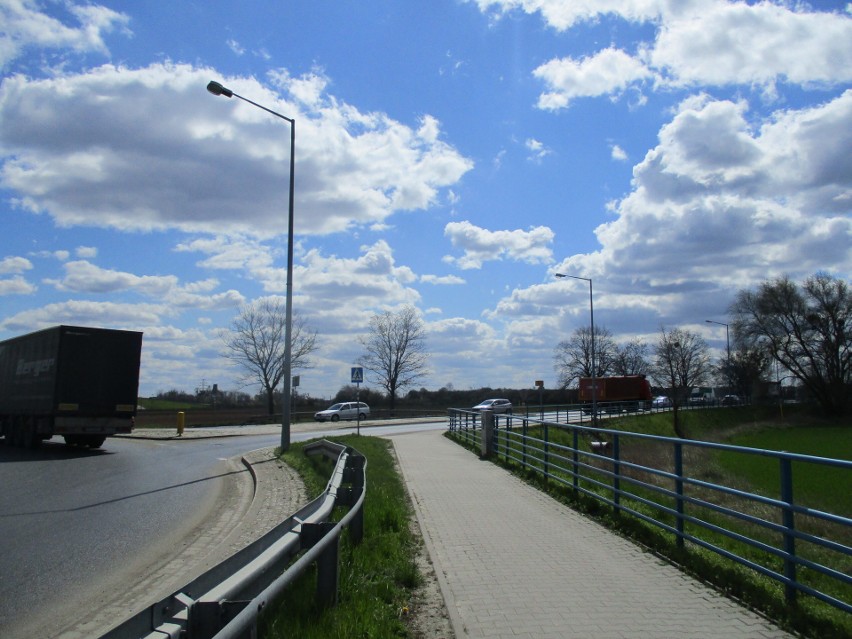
(78, 527)
(84, 534)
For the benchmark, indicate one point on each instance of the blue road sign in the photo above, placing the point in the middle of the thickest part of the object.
(357, 375)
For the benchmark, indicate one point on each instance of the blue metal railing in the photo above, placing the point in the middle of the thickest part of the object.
(665, 482)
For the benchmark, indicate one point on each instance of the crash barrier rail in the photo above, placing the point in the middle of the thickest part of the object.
(648, 476)
(225, 602)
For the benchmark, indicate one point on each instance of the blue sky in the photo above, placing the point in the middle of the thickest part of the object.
(451, 154)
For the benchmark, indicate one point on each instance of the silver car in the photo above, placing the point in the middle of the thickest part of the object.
(343, 410)
(497, 406)
(661, 401)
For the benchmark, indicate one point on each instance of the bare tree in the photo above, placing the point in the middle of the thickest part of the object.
(682, 360)
(256, 338)
(573, 357)
(631, 358)
(807, 330)
(396, 350)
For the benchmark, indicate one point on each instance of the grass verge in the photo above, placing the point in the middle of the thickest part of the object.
(378, 577)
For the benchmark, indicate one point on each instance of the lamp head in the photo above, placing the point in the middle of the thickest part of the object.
(217, 89)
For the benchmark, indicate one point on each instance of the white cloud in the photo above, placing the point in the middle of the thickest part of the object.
(442, 280)
(373, 278)
(25, 25)
(16, 285)
(732, 203)
(86, 252)
(481, 245)
(538, 151)
(85, 277)
(697, 43)
(739, 43)
(14, 265)
(83, 158)
(564, 14)
(608, 71)
(235, 46)
(86, 313)
(617, 153)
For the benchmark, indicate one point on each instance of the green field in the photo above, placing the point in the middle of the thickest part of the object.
(820, 486)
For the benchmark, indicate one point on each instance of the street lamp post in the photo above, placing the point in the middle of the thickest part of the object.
(594, 368)
(217, 89)
(727, 338)
(728, 344)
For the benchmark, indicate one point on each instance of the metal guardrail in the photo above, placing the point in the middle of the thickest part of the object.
(773, 535)
(224, 602)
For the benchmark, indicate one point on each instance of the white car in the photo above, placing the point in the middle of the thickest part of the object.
(661, 402)
(497, 406)
(343, 410)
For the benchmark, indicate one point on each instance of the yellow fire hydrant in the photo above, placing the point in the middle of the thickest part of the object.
(181, 421)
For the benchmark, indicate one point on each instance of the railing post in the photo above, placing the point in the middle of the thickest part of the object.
(789, 522)
(546, 452)
(616, 472)
(576, 463)
(524, 445)
(678, 468)
(487, 434)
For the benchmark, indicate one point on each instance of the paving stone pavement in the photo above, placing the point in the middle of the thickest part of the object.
(514, 563)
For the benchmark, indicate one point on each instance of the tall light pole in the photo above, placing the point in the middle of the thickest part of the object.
(727, 338)
(594, 368)
(728, 343)
(217, 89)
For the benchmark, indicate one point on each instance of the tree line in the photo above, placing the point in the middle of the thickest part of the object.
(780, 329)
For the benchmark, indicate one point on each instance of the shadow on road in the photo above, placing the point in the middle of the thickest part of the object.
(119, 499)
(48, 450)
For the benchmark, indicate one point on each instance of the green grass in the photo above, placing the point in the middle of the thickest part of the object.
(819, 486)
(377, 577)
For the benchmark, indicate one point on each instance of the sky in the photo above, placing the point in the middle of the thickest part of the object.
(452, 155)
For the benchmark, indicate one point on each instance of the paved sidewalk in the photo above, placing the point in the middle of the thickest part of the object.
(514, 563)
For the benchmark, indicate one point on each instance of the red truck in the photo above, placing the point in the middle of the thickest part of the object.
(616, 394)
(74, 381)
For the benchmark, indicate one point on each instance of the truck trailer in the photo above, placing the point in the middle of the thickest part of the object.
(616, 394)
(77, 382)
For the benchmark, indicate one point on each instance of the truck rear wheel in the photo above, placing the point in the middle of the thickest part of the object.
(94, 441)
(90, 441)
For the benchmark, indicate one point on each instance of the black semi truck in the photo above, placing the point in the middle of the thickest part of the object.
(77, 382)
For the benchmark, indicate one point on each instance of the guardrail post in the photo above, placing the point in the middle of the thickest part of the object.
(678, 468)
(789, 522)
(487, 435)
(356, 526)
(328, 564)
